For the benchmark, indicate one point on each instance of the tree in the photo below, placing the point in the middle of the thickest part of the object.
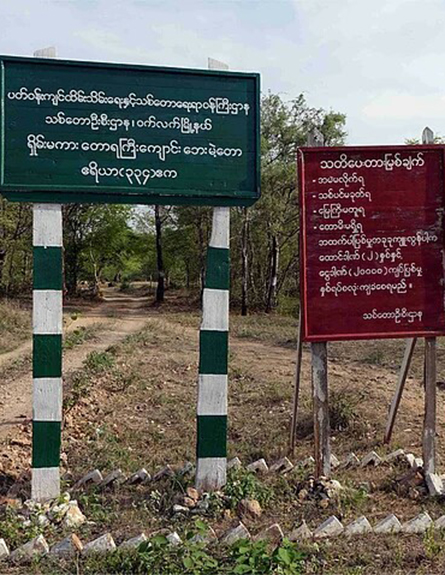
(267, 260)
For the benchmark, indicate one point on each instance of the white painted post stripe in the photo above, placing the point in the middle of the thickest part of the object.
(45, 483)
(47, 312)
(47, 399)
(215, 310)
(212, 395)
(211, 471)
(220, 237)
(47, 225)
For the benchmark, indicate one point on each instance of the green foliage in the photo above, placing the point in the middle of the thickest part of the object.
(81, 380)
(433, 543)
(99, 361)
(342, 411)
(158, 557)
(242, 484)
(77, 337)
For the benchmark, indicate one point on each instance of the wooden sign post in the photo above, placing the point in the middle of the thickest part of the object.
(429, 424)
(88, 132)
(371, 246)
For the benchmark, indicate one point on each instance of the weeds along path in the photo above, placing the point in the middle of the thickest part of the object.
(107, 324)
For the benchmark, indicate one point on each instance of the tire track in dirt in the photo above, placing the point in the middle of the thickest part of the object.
(118, 317)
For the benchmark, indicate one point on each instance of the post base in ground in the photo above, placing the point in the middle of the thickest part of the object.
(45, 483)
(211, 473)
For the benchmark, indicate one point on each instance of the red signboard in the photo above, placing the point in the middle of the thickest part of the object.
(372, 242)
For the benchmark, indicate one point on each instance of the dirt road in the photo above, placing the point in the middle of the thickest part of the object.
(117, 317)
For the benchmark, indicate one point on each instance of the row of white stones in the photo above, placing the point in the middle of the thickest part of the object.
(284, 465)
(332, 527)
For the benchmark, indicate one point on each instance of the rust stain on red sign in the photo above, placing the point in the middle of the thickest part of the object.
(372, 242)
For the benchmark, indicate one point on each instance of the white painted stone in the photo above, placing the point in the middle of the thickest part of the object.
(174, 539)
(235, 534)
(112, 477)
(300, 533)
(334, 461)
(418, 461)
(394, 456)
(102, 544)
(47, 399)
(372, 458)
(58, 512)
(37, 546)
(4, 551)
(259, 466)
(166, 471)
(68, 546)
(358, 527)
(329, 528)
(308, 462)
(74, 516)
(284, 465)
(212, 394)
(208, 537)
(440, 523)
(134, 542)
(435, 484)
(351, 461)
(274, 534)
(47, 317)
(234, 463)
(141, 476)
(215, 309)
(188, 469)
(389, 524)
(211, 473)
(47, 225)
(94, 476)
(220, 237)
(45, 483)
(411, 459)
(418, 524)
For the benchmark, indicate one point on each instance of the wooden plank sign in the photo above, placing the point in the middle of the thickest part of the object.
(372, 242)
(76, 131)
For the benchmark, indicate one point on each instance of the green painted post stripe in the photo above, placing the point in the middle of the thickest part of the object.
(212, 436)
(213, 351)
(47, 355)
(218, 268)
(47, 268)
(46, 443)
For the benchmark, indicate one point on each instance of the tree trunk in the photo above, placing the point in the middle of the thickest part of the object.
(244, 262)
(273, 278)
(71, 269)
(160, 290)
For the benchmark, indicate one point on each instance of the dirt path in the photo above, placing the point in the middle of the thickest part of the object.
(117, 317)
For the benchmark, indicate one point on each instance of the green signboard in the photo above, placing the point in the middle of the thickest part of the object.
(92, 132)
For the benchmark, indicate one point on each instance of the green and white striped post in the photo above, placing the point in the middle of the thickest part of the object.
(211, 443)
(213, 359)
(47, 350)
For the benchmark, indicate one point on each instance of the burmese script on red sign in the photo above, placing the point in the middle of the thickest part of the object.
(372, 242)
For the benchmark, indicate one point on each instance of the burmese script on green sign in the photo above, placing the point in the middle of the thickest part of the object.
(138, 133)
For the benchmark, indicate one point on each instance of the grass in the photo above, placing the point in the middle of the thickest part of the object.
(80, 335)
(15, 325)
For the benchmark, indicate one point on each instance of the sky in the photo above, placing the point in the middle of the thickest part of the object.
(381, 62)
